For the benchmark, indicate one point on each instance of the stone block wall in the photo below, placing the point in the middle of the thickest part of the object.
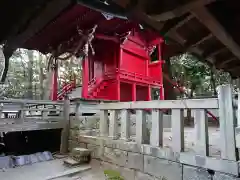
(143, 162)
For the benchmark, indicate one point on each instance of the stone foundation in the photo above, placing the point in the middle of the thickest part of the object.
(143, 162)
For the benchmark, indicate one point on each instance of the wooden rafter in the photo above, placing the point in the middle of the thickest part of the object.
(218, 51)
(49, 13)
(181, 10)
(202, 40)
(221, 65)
(216, 29)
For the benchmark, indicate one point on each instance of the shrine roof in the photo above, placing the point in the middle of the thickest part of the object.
(207, 28)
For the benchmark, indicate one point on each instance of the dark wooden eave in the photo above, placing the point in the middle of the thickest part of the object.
(207, 28)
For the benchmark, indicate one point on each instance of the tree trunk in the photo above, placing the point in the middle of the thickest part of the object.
(169, 92)
(30, 75)
(213, 82)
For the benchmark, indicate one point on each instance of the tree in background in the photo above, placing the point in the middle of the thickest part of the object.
(196, 77)
(28, 70)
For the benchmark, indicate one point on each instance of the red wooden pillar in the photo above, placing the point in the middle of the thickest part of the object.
(161, 91)
(149, 98)
(54, 91)
(118, 65)
(85, 77)
(134, 95)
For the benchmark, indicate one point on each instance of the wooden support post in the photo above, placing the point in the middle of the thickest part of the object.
(85, 77)
(149, 93)
(156, 137)
(177, 130)
(65, 130)
(141, 127)
(113, 124)
(227, 123)
(201, 130)
(134, 97)
(1, 109)
(238, 110)
(125, 124)
(104, 123)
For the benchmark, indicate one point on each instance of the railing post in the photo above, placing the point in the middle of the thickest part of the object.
(238, 110)
(227, 123)
(177, 130)
(201, 132)
(156, 137)
(113, 124)
(103, 123)
(65, 130)
(141, 127)
(125, 124)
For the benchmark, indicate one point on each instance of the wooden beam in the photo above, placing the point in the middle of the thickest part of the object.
(181, 10)
(216, 29)
(226, 62)
(202, 40)
(180, 23)
(51, 11)
(214, 53)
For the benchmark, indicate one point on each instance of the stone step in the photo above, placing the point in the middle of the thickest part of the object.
(81, 155)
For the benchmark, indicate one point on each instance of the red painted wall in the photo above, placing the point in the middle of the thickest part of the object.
(155, 70)
(109, 92)
(141, 93)
(125, 92)
(132, 63)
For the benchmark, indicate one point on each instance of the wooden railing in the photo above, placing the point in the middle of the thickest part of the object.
(227, 162)
(35, 115)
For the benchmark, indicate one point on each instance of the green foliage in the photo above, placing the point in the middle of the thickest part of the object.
(28, 71)
(196, 77)
(113, 175)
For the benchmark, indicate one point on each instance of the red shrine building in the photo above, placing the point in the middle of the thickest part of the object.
(123, 60)
(125, 70)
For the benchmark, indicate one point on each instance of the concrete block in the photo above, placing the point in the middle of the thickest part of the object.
(135, 161)
(91, 140)
(194, 173)
(128, 174)
(222, 176)
(123, 145)
(97, 151)
(115, 156)
(142, 176)
(73, 144)
(162, 168)
(73, 134)
(163, 153)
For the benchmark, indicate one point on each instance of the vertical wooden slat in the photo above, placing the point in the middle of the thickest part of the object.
(113, 124)
(238, 110)
(227, 123)
(1, 109)
(201, 132)
(141, 127)
(156, 137)
(44, 113)
(177, 130)
(22, 113)
(104, 123)
(125, 124)
(65, 130)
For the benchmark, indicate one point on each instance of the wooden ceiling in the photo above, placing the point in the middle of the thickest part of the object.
(208, 28)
